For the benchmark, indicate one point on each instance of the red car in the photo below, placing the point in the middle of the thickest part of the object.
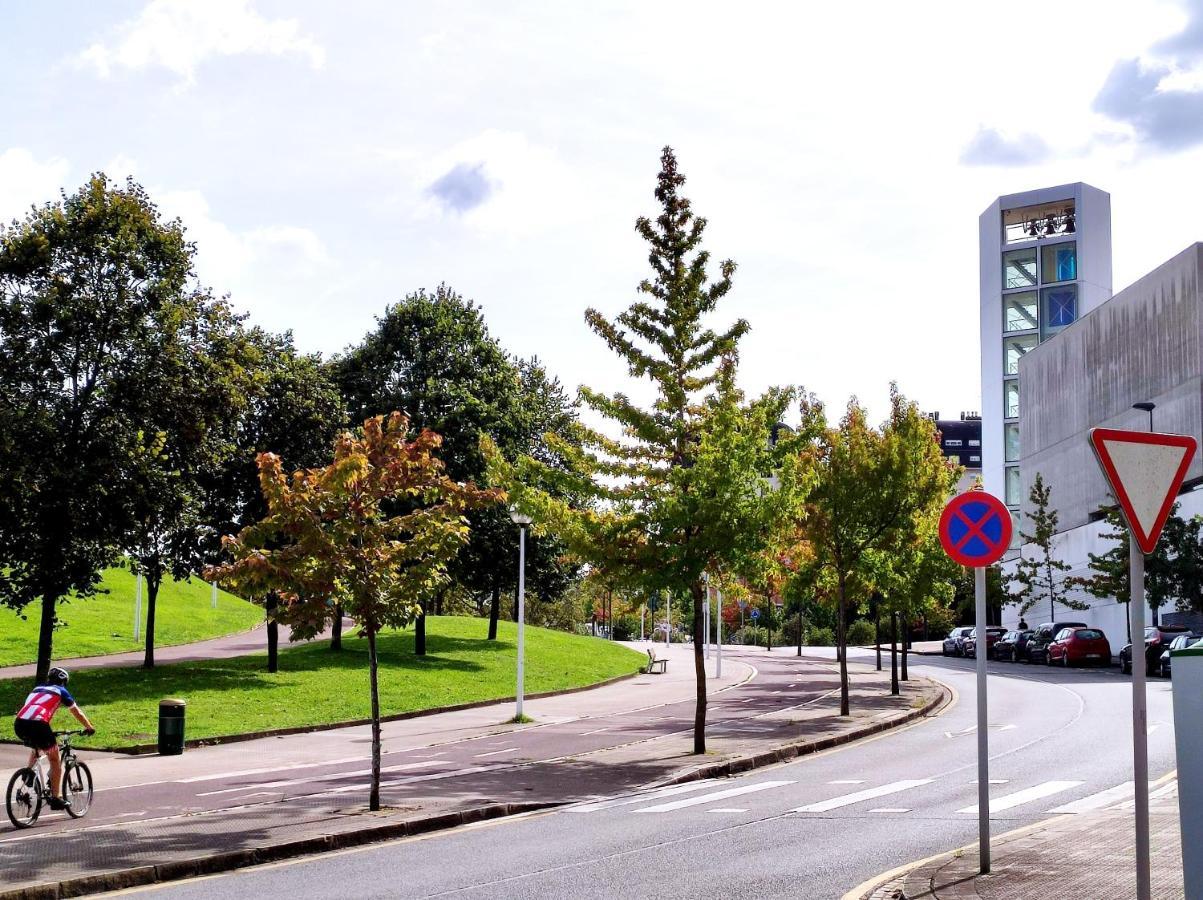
(1079, 646)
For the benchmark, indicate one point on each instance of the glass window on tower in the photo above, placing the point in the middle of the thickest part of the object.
(1011, 442)
(1060, 308)
(1019, 269)
(1011, 399)
(1015, 349)
(1059, 262)
(1014, 486)
(1020, 311)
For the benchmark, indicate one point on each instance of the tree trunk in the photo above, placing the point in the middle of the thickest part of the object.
(273, 632)
(768, 629)
(374, 796)
(336, 628)
(905, 648)
(493, 610)
(877, 635)
(894, 653)
(420, 631)
(152, 594)
(46, 637)
(699, 670)
(801, 622)
(841, 641)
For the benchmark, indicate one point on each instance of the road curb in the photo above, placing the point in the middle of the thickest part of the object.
(140, 876)
(742, 764)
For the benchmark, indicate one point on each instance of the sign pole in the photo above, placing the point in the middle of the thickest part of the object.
(668, 628)
(718, 645)
(706, 614)
(983, 738)
(1140, 729)
(138, 607)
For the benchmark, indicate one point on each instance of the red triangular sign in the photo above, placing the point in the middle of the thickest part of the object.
(1145, 471)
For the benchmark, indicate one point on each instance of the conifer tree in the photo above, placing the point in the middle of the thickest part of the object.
(1042, 576)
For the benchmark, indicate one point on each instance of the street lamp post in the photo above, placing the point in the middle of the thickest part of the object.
(521, 520)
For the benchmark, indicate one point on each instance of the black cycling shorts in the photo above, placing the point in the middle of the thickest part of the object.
(38, 735)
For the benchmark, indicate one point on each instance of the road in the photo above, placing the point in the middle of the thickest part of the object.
(1060, 742)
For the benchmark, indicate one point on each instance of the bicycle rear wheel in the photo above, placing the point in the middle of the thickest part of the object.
(77, 787)
(24, 800)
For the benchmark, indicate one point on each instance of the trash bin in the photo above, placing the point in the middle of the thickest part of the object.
(171, 727)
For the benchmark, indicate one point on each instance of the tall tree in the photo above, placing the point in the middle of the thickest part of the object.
(1042, 575)
(328, 534)
(875, 489)
(683, 490)
(93, 295)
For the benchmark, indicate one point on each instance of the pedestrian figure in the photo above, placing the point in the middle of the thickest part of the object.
(1023, 626)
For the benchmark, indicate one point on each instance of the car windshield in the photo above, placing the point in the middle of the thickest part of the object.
(1088, 634)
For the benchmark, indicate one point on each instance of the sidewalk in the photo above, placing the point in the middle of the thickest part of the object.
(584, 746)
(1086, 855)
(243, 643)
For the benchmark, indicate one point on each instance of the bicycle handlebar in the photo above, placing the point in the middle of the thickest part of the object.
(59, 734)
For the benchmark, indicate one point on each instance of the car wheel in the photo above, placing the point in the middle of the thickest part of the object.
(1048, 659)
(1065, 661)
(1125, 667)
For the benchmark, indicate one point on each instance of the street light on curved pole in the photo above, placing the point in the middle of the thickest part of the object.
(522, 520)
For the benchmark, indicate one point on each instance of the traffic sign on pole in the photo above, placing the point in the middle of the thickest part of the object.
(755, 614)
(1145, 471)
(975, 529)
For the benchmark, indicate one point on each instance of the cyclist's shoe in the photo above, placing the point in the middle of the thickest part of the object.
(27, 778)
(59, 803)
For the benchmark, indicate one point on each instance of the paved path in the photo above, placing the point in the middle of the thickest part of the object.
(585, 747)
(243, 643)
(816, 827)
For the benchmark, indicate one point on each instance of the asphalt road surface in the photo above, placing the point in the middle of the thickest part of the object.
(1059, 741)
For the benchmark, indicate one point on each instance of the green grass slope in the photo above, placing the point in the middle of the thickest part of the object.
(318, 687)
(105, 623)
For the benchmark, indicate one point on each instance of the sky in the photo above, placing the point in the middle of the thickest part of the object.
(328, 159)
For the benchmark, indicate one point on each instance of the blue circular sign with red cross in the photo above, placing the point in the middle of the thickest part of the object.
(975, 528)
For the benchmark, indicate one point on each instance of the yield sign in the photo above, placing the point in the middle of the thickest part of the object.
(1145, 471)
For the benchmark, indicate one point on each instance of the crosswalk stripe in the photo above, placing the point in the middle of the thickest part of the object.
(1116, 794)
(717, 795)
(641, 798)
(868, 794)
(1028, 795)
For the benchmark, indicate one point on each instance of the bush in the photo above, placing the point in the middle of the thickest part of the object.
(626, 628)
(755, 636)
(820, 637)
(861, 632)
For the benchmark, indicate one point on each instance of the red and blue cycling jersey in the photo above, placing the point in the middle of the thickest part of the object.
(43, 703)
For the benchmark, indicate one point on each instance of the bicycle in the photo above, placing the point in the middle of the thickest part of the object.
(29, 788)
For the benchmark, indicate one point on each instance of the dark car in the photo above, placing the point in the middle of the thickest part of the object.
(992, 636)
(1157, 638)
(1013, 646)
(1079, 646)
(1044, 635)
(954, 644)
(1181, 642)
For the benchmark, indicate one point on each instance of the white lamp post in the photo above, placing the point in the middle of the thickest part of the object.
(521, 520)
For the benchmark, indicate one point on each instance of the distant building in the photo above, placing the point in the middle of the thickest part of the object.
(961, 442)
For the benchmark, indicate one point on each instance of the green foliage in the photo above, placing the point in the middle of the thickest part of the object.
(94, 306)
(1041, 577)
(820, 637)
(861, 632)
(316, 687)
(964, 603)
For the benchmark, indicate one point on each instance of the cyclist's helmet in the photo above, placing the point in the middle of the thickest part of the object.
(57, 675)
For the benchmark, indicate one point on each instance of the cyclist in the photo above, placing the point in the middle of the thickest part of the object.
(33, 727)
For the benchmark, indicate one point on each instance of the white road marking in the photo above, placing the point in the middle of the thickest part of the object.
(598, 731)
(1164, 790)
(277, 768)
(330, 777)
(717, 795)
(1117, 794)
(727, 809)
(1027, 795)
(848, 781)
(650, 795)
(859, 796)
(496, 752)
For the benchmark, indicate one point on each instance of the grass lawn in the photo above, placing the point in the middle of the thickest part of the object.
(315, 686)
(105, 623)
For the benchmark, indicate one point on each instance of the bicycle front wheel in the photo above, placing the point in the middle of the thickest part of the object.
(77, 787)
(23, 799)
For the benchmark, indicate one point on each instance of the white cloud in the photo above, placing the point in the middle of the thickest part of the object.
(179, 35)
(25, 181)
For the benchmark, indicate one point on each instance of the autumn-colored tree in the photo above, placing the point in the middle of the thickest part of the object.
(875, 488)
(334, 534)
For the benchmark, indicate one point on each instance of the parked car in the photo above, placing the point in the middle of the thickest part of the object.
(1044, 635)
(1157, 638)
(954, 644)
(1013, 646)
(992, 636)
(1181, 642)
(1079, 646)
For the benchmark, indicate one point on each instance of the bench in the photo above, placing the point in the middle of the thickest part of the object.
(656, 665)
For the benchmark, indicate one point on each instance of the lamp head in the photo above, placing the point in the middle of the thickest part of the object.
(1144, 406)
(518, 517)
